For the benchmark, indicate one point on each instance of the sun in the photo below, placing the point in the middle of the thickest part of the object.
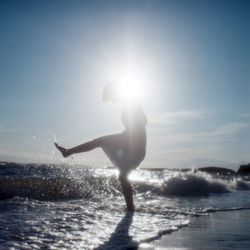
(131, 76)
(129, 86)
(128, 90)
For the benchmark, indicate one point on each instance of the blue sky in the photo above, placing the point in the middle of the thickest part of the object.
(192, 58)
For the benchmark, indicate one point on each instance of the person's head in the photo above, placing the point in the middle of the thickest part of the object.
(110, 92)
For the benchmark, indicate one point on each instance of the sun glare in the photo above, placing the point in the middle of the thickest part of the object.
(129, 91)
(132, 75)
(129, 86)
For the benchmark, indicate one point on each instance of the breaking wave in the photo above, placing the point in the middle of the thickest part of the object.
(88, 184)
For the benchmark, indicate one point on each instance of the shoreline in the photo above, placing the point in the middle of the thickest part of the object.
(219, 230)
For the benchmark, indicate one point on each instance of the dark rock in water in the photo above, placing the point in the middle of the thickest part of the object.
(244, 169)
(217, 170)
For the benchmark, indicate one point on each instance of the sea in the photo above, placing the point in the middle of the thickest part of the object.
(46, 206)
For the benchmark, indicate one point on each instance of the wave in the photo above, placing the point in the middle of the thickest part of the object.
(198, 184)
(231, 209)
(194, 184)
(59, 188)
(91, 186)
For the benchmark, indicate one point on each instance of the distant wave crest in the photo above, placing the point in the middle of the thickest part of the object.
(198, 184)
(57, 188)
(88, 186)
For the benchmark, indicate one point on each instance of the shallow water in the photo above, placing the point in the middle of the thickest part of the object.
(62, 207)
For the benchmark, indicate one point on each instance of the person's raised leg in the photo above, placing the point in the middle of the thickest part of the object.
(87, 146)
(127, 192)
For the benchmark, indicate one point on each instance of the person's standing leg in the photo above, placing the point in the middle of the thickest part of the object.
(127, 191)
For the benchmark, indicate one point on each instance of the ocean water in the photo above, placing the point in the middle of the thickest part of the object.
(76, 207)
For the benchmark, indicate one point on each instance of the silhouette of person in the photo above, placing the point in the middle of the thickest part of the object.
(126, 150)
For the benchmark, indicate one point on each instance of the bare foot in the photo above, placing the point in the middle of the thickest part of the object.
(64, 151)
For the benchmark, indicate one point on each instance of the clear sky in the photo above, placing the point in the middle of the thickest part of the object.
(191, 57)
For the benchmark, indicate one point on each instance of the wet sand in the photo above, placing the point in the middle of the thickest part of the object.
(220, 230)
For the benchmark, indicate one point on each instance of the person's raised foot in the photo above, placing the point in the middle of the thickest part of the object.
(64, 151)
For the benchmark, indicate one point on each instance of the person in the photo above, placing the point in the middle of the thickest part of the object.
(126, 150)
